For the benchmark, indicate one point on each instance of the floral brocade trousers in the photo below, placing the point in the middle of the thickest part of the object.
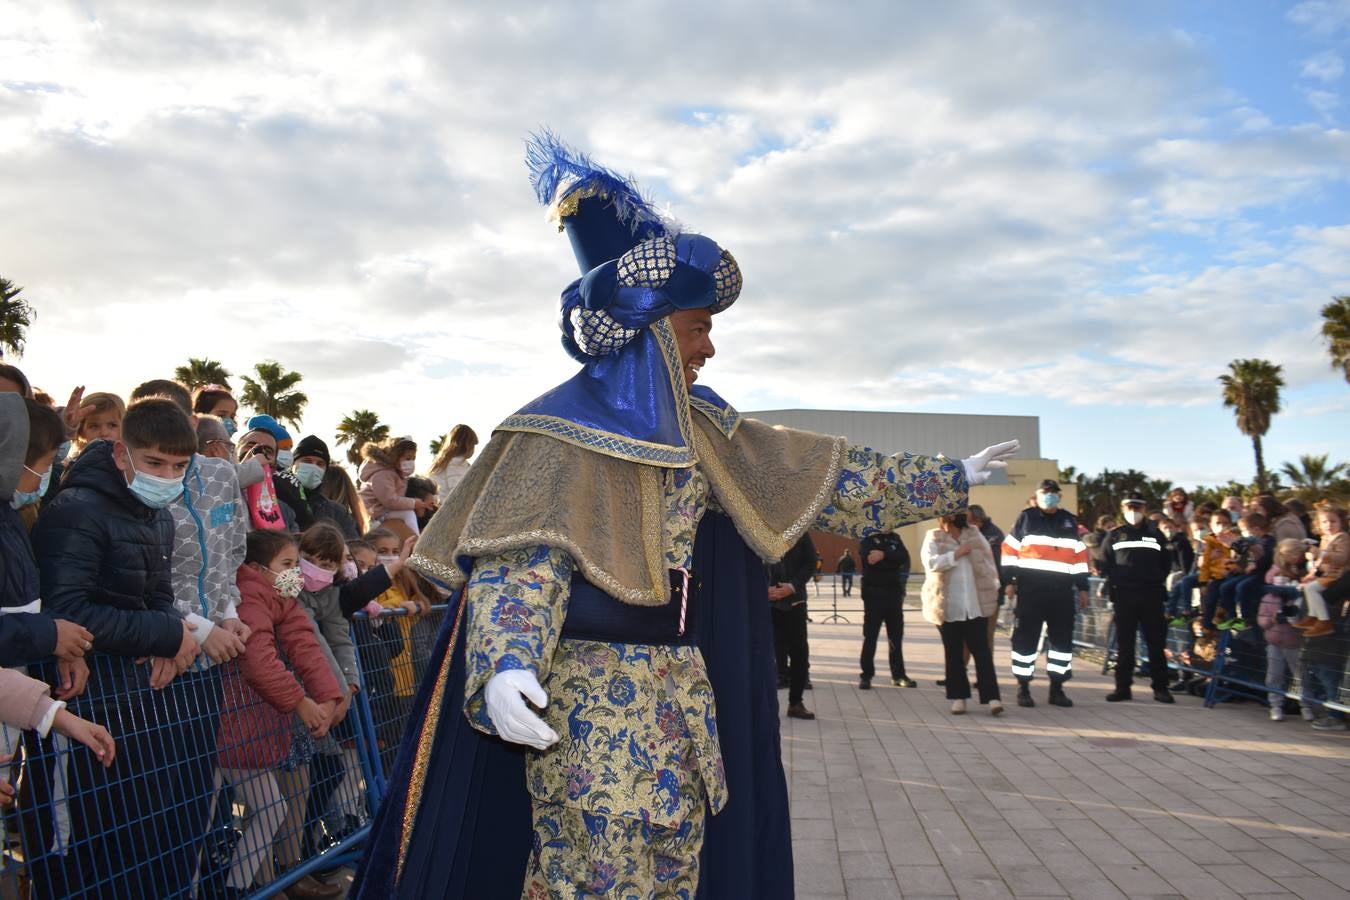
(580, 854)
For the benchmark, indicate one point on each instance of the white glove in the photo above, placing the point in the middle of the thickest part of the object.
(511, 716)
(980, 466)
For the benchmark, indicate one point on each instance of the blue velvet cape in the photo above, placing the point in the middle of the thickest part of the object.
(471, 837)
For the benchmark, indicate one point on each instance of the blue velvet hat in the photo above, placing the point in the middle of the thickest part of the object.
(630, 398)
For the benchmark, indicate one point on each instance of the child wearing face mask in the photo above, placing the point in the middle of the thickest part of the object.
(263, 696)
(384, 483)
(216, 400)
(103, 546)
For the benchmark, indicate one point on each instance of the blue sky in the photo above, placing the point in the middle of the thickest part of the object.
(1079, 212)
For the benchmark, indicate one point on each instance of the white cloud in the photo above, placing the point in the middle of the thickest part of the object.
(1322, 17)
(1325, 66)
(917, 199)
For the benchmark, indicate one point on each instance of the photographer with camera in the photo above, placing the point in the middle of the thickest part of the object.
(1278, 607)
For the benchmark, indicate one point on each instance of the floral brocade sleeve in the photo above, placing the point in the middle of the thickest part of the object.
(516, 604)
(877, 493)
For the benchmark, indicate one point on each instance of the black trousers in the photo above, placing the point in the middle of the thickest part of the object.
(1055, 609)
(789, 642)
(877, 611)
(847, 580)
(1135, 609)
(957, 637)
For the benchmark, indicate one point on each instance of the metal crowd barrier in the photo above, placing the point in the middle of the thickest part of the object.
(1230, 663)
(213, 793)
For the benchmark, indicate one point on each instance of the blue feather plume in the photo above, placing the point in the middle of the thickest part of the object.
(554, 165)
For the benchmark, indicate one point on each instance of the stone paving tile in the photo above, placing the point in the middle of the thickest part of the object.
(893, 797)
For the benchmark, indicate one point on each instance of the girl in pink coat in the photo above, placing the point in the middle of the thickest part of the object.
(263, 696)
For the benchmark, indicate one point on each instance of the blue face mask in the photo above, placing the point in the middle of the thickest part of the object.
(27, 498)
(152, 490)
(1049, 500)
(284, 459)
(230, 426)
(309, 475)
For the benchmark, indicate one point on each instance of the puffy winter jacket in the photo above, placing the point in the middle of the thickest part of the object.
(103, 560)
(261, 694)
(25, 634)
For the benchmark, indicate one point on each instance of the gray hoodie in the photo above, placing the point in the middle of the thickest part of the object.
(13, 442)
(210, 530)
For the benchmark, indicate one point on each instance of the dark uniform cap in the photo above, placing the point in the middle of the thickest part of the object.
(1048, 484)
(1134, 498)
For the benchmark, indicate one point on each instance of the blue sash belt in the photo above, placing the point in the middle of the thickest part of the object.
(593, 615)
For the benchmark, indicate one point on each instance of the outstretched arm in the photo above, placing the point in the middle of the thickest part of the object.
(882, 493)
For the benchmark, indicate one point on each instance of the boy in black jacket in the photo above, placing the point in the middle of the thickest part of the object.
(103, 546)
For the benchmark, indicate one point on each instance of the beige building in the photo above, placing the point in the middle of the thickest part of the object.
(952, 435)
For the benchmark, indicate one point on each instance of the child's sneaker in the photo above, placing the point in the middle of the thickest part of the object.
(1225, 625)
(1177, 622)
(1327, 723)
(1238, 624)
(1307, 713)
(1276, 714)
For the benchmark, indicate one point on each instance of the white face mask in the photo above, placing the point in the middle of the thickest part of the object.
(1134, 516)
(407, 467)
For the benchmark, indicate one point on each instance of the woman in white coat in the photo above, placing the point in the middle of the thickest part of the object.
(960, 593)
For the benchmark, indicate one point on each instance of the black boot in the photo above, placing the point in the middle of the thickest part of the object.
(1024, 694)
(1118, 695)
(1057, 695)
(1163, 695)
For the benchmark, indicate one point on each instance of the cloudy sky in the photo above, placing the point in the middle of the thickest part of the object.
(1076, 211)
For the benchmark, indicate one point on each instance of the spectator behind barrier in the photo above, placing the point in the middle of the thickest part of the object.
(1330, 560)
(216, 400)
(100, 416)
(255, 738)
(1283, 641)
(452, 463)
(213, 441)
(103, 545)
(384, 482)
(338, 487)
(264, 509)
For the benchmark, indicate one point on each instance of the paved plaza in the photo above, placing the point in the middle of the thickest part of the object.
(893, 796)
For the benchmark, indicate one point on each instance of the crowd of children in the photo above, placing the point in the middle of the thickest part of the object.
(155, 542)
(1275, 574)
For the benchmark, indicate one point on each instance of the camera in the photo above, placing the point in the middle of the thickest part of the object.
(1241, 546)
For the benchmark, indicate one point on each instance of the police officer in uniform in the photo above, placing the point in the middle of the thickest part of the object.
(1135, 561)
(1046, 566)
(885, 574)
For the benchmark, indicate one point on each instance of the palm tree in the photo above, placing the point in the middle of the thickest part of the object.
(359, 428)
(15, 317)
(1336, 331)
(201, 372)
(437, 443)
(1313, 478)
(1252, 390)
(273, 392)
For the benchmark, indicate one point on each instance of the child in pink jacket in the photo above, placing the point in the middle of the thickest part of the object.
(1283, 640)
(384, 483)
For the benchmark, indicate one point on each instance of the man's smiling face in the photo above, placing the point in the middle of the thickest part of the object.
(692, 329)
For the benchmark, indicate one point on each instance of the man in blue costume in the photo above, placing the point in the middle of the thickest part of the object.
(566, 742)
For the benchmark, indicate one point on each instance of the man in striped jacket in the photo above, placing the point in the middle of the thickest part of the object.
(1045, 564)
